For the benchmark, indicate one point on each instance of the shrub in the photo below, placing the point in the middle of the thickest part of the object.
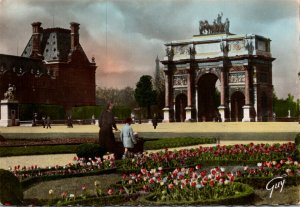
(54, 111)
(90, 151)
(86, 112)
(10, 188)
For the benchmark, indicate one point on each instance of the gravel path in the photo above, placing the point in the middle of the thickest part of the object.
(63, 159)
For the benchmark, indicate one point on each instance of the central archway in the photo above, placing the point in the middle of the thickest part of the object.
(208, 98)
(237, 102)
(180, 105)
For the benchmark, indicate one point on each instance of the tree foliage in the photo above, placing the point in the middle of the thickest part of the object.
(282, 106)
(144, 94)
(119, 97)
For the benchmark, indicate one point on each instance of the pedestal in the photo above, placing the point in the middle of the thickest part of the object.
(222, 111)
(247, 114)
(167, 115)
(188, 114)
(9, 113)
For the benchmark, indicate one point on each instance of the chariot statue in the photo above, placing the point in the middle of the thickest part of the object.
(9, 94)
(215, 28)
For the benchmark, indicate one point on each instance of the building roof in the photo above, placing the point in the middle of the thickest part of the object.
(55, 45)
(22, 65)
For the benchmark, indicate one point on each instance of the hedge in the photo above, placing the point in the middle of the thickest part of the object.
(54, 111)
(100, 201)
(261, 182)
(26, 183)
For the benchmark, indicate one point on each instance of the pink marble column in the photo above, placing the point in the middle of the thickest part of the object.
(167, 102)
(247, 88)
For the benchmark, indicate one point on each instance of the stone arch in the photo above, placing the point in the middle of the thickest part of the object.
(237, 101)
(204, 71)
(208, 100)
(180, 105)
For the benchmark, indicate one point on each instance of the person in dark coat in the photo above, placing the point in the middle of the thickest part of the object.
(70, 122)
(106, 123)
(154, 121)
(48, 122)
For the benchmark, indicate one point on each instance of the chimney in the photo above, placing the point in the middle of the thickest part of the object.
(36, 44)
(74, 35)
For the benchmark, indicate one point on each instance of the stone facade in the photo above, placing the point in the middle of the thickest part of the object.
(53, 69)
(241, 63)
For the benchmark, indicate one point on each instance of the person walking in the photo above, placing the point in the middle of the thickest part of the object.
(70, 122)
(154, 121)
(106, 135)
(48, 122)
(44, 121)
(127, 138)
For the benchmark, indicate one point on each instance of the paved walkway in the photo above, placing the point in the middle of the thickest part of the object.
(229, 132)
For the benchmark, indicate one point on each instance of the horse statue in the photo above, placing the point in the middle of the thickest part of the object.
(9, 94)
(217, 27)
(205, 27)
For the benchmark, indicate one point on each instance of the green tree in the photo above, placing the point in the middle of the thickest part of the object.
(120, 97)
(282, 106)
(144, 94)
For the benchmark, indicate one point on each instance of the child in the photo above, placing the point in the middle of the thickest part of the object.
(127, 137)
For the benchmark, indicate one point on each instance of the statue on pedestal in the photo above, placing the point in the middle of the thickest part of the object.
(216, 27)
(9, 94)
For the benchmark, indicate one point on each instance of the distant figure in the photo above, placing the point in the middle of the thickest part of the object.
(132, 117)
(70, 122)
(48, 122)
(93, 119)
(34, 119)
(106, 123)
(127, 137)
(154, 121)
(44, 121)
(227, 24)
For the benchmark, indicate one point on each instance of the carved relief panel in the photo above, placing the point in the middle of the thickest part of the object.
(180, 80)
(238, 77)
(236, 45)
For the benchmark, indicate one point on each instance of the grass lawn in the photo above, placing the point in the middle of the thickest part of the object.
(150, 144)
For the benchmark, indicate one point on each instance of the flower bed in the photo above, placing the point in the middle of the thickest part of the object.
(218, 155)
(80, 167)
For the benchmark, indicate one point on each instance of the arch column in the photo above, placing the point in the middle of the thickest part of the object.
(248, 107)
(222, 108)
(188, 109)
(168, 115)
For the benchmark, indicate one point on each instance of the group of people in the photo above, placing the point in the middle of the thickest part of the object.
(46, 122)
(106, 136)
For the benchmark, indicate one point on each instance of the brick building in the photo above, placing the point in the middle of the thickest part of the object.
(53, 69)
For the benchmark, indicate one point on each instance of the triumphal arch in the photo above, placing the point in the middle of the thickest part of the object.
(241, 65)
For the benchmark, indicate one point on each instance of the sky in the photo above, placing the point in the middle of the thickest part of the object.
(126, 36)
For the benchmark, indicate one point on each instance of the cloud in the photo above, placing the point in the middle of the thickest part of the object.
(125, 36)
